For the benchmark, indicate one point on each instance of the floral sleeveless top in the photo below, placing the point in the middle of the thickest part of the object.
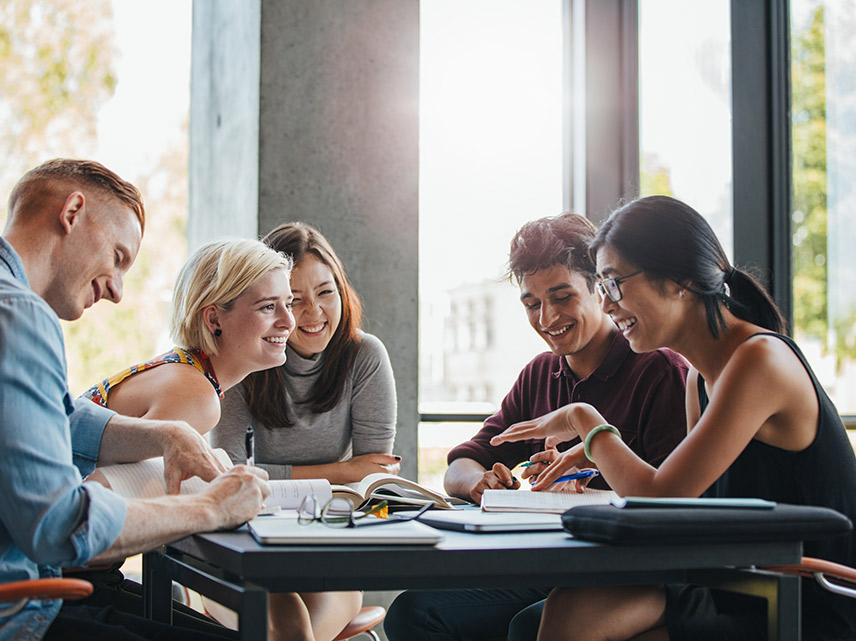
(98, 393)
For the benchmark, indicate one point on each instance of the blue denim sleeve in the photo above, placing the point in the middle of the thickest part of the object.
(88, 421)
(45, 509)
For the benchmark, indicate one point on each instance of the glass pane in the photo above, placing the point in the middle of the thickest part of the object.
(823, 54)
(685, 106)
(435, 441)
(490, 159)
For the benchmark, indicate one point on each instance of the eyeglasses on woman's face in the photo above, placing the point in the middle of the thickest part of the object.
(339, 513)
(611, 287)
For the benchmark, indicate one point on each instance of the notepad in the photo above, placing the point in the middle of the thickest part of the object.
(549, 502)
(285, 530)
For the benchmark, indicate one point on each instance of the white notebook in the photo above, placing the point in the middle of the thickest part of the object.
(550, 502)
(285, 530)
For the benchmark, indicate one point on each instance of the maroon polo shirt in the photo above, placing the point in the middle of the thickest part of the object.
(641, 394)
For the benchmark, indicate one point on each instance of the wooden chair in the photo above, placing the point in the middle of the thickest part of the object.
(835, 577)
(15, 595)
(367, 619)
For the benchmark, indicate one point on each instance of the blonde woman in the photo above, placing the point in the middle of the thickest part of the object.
(330, 410)
(231, 315)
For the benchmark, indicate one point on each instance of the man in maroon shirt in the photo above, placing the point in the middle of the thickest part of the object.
(589, 361)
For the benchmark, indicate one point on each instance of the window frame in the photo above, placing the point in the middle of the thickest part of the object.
(600, 176)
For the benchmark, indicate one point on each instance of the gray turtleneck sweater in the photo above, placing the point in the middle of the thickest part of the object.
(363, 422)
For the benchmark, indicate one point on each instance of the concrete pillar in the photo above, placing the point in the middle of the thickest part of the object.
(308, 110)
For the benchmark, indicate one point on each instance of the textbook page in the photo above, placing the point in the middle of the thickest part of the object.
(551, 502)
(144, 480)
(394, 489)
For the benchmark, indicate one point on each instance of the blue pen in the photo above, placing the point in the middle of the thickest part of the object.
(527, 464)
(582, 474)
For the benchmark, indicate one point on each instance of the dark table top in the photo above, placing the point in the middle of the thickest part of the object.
(465, 560)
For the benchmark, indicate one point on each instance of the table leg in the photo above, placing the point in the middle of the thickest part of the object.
(253, 614)
(157, 588)
(781, 592)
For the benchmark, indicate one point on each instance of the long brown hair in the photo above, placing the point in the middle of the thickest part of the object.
(266, 389)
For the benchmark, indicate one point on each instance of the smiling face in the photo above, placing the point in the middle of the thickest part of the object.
(257, 326)
(94, 256)
(317, 306)
(648, 313)
(562, 310)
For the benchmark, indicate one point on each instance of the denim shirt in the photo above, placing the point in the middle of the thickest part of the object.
(48, 517)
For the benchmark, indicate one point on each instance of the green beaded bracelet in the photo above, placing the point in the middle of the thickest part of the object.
(606, 427)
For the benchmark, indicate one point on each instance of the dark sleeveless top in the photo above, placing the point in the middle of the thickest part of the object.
(822, 474)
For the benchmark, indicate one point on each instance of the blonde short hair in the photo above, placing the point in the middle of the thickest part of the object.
(216, 274)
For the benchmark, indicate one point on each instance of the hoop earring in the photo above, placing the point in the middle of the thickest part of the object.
(218, 332)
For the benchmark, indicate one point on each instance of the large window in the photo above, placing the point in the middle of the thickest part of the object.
(83, 80)
(490, 159)
(685, 107)
(823, 54)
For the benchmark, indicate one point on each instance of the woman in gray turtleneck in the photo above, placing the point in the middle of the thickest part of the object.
(330, 411)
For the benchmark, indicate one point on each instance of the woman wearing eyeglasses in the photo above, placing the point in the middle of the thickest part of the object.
(329, 412)
(760, 425)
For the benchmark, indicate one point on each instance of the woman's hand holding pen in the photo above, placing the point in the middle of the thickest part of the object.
(558, 464)
(537, 463)
(547, 470)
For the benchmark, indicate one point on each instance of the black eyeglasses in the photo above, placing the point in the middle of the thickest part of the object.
(340, 513)
(611, 287)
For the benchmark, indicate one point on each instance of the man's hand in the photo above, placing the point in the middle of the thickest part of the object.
(230, 500)
(186, 454)
(238, 495)
(496, 478)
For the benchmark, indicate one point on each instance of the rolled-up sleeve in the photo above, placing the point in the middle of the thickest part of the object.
(46, 510)
(87, 422)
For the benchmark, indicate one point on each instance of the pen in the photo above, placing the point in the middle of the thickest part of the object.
(248, 444)
(527, 464)
(582, 474)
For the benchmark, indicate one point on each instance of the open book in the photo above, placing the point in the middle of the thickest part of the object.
(552, 502)
(395, 490)
(145, 480)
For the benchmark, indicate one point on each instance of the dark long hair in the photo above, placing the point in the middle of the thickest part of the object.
(671, 241)
(266, 389)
